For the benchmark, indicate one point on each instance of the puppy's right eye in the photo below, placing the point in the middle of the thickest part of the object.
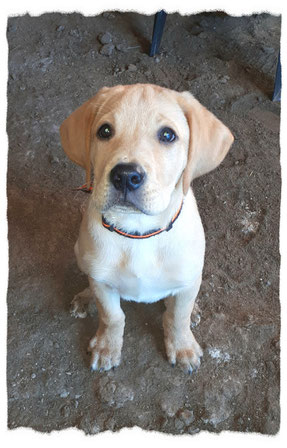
(105, 131)
(166, 135)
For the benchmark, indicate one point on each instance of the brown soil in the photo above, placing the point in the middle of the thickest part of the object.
(56, 62)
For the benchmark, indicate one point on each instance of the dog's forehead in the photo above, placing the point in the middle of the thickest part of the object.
(142, 104)
(147, 101)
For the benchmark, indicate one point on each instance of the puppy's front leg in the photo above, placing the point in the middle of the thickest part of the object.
(180, 343)
(106, 346)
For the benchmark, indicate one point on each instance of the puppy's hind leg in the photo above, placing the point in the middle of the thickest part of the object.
(81, 303)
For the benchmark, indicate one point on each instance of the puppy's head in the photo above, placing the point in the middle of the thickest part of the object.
(143, 141)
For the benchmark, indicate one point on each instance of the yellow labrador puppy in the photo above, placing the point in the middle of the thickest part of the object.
(141, 237)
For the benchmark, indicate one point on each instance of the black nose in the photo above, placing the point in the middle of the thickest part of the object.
(127, 176)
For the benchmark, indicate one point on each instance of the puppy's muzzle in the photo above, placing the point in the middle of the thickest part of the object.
(127, 176)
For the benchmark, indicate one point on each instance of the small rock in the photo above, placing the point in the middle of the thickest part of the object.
(11, 28)
(132, 68)
(249, 223)
(195, 30)
(110, 424)
(176, 380)
(65, 411)
(169, 405)
(33, 375)
(268, 50)
(76, 33)
(254, 373)
(121, 47)
(193, 430)
(218, 355)
(108, 15)
(107, 49)
(64, 394)
(107, 390)
(224, 79)
(60, 28)
(143, 418)
(168, 409)
(219, 401)
(53, 159)
(114, 394)
(216, 100)
(204, 23)
(89, 425)
(105, 38)
(93, 53)
(203, 35)
(186, 416)
(178, 424)
(195, 316)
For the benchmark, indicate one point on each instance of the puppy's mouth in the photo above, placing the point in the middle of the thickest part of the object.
(123, 204)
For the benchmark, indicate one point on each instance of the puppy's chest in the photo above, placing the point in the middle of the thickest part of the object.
(145, 274)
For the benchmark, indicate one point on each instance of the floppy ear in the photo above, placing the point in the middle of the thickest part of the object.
(75, 134)
(209, 139)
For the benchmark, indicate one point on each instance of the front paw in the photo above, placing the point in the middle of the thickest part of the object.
(184, 350)
(79, 307)
(105, 352)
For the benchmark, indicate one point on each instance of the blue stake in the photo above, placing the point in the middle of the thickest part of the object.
(158, 26)
(278, 82)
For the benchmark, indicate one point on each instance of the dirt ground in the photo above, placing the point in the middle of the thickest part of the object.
(56, 62)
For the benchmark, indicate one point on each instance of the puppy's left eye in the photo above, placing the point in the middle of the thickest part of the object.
(166, 135)
(105, 131)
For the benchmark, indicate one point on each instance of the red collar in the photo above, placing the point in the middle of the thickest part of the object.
(85, 188)
(135, 235)
(138, 235)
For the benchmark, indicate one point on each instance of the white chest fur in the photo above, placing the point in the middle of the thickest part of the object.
(144, 270)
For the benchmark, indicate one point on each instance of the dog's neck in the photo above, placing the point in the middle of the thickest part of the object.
(142, 223)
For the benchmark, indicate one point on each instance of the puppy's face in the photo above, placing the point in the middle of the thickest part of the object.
(142, 141)
(139, 147)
